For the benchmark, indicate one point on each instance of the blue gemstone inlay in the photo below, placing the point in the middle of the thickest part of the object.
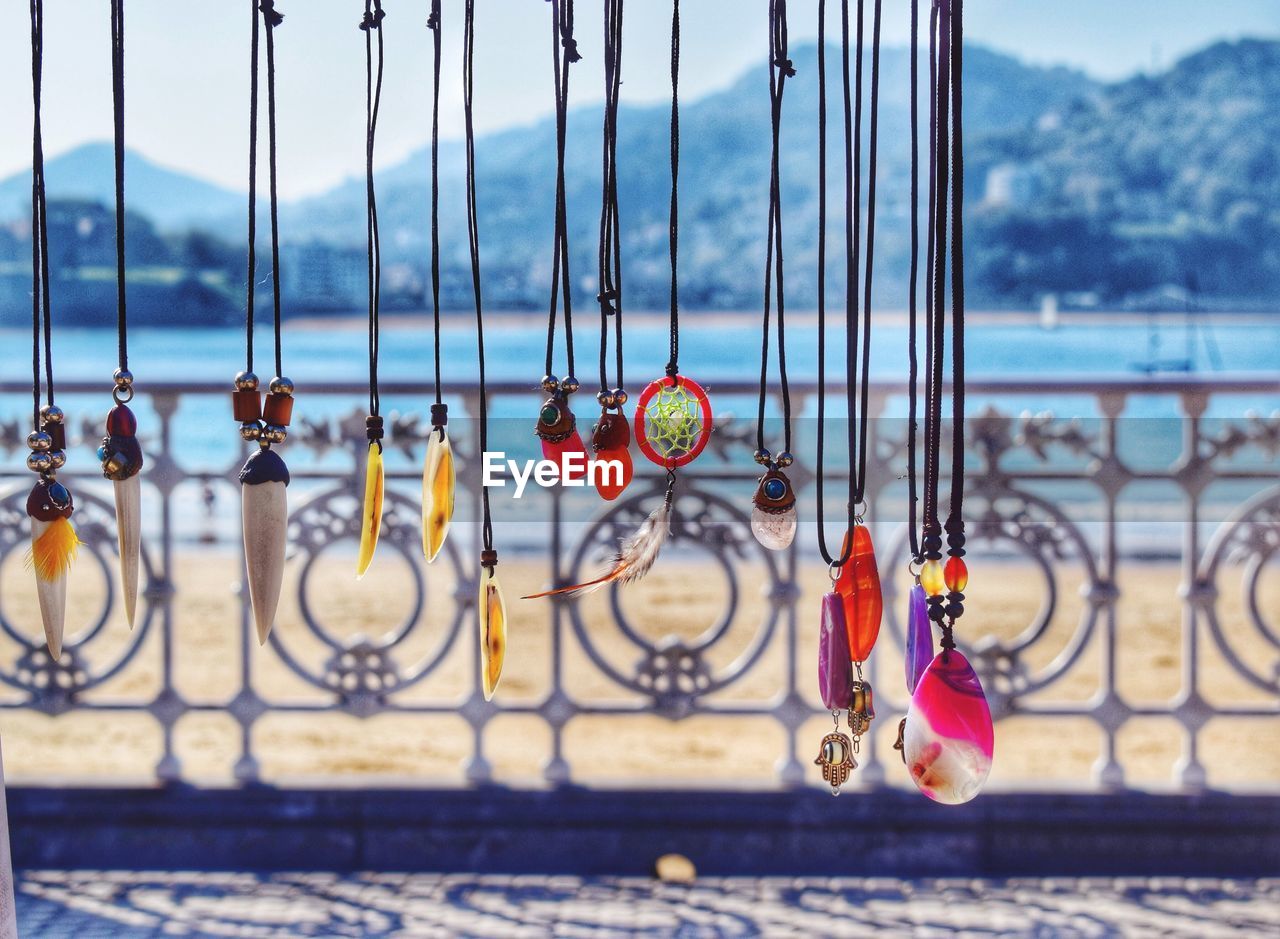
(775, 489)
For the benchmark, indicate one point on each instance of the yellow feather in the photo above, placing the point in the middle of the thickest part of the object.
(51, 554)
(371, 519)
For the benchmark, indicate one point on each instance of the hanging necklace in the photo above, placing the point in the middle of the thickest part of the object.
(948, 738)
(673, 419)
(264, 476)
(491, 607)
(120, 454)
(438, 475)
(611, 437)
(852, 610)
(371, 512)
(49, 506)
(773, 517)
(557, 427)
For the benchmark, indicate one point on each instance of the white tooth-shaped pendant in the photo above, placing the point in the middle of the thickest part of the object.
(121, 458)
(265, 522)
(51, 591)
(129, 533)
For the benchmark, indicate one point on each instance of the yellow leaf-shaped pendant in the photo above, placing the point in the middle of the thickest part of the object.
(371, 519)
(437, 493)
(493, 631)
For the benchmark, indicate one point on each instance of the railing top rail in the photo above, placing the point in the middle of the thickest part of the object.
(1221, 382)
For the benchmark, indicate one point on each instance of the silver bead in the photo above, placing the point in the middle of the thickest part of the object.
(606, 399)
(763, 457)
(246, 381)
(550, 384)
(281, 386)
(51, 414)
(59, 458)
(39, 440)
(122, 377)
(39, 461)
(274, 433)
(250, 430)
(620, 396)
(569, 385)
(785, 459)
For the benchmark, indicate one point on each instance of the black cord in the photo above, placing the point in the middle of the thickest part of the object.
(932, 543)
(251, 264)
(673, 222)
(473, 241)
(561, 36)
(370, 24)
(865, 391)
(117, 114)
(955, 521)
(913, 534)
(610, 253)
(40, 314)
(822, 298)
(271, 19)
(780, 69)
(433, 23)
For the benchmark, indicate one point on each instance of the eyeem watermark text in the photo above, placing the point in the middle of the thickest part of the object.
(572, 469)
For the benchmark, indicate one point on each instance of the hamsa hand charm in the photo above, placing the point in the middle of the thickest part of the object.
(835, 756)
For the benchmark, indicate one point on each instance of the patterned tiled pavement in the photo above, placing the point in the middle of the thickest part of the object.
(134, 905)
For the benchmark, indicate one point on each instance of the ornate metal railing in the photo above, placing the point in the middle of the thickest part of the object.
(1051, 492)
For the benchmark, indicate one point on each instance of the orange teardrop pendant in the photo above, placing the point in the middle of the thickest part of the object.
(859, 585)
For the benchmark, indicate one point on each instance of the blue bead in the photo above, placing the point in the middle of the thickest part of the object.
(102, 454)
(58, 495)
(775, 489)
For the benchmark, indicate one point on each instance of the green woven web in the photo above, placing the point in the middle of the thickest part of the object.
(673, 421)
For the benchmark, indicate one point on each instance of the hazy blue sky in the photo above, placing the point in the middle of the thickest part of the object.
(187, 64)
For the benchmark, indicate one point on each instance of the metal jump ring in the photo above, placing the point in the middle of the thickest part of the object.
(118, 397)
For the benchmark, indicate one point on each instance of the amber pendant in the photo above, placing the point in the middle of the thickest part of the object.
(492, 609)
(438, 480)
(773, 515)
(371, 511)
(835, 756)
(859, 584)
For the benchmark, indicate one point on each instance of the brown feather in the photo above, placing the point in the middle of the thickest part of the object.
(635, 556)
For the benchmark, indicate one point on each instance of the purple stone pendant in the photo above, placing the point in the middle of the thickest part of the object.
(835, 670)
(919, 636)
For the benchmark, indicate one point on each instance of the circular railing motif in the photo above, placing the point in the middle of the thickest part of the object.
(1250, 538)
(362, 670)
(677, 673)
(1038, 532)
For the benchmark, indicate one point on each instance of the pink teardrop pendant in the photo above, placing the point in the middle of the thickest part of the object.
(949, 738)
(835, 671)
(919, 636)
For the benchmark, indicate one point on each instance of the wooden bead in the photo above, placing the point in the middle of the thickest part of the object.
(246, 405)
(279, 409)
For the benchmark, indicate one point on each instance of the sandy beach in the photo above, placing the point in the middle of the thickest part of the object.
(423, 750)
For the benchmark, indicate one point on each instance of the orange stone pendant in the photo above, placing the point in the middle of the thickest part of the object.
(859, 586)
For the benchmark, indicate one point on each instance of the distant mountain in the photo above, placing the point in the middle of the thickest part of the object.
(171, 199)
(1106, 195)
(724, 168)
